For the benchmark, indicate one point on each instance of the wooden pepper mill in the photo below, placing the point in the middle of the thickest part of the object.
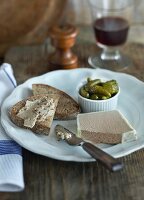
(63, 38)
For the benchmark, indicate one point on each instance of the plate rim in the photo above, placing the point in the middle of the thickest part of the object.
(77, 159)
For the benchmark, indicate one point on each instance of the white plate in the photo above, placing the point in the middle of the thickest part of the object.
(131, 104)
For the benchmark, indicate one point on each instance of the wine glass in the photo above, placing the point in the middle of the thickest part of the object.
(111, 23)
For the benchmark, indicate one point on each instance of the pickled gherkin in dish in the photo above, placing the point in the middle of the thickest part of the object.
(111, 86)
(98, 90)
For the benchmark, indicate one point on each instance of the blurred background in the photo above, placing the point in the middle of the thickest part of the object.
(80, 13)
(25, 22)
(25, 26)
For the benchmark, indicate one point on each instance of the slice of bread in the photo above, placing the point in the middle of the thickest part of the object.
(67, 107)
(35, 113)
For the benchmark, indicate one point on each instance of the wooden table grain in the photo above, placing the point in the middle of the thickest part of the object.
(49, 179)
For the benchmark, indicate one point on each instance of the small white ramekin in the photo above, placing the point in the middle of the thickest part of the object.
(88, 105)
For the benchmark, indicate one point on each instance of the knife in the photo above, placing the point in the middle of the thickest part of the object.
(107, 160)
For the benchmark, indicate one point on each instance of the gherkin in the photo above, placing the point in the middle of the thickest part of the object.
(91, 83)
(83, 92)
(111, 87)
(94, 97)
(97, 90)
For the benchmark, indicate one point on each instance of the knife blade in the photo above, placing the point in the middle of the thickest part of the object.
(101, 156)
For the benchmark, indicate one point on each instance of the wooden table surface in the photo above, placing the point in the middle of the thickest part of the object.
(49, 179)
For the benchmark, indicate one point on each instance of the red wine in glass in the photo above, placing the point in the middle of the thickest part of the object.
(111, 31)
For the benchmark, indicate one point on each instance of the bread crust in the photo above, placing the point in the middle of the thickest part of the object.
(67, 107)
(40, 128)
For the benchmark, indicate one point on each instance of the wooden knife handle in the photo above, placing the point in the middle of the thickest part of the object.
(101, 156)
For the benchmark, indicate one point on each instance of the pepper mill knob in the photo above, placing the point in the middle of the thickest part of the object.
(63, 38)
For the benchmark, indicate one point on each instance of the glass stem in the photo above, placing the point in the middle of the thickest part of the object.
(110, 53)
